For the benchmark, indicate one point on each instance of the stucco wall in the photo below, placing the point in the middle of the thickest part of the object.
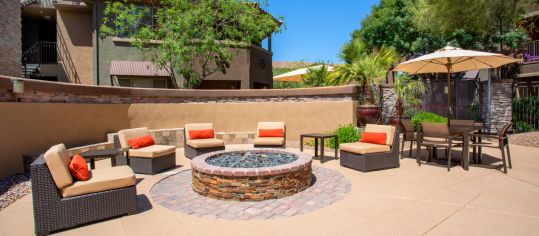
(48, 113)
(10, 41)
(75, 51)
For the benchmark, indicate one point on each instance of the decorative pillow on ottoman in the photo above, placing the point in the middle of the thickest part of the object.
(79, 168)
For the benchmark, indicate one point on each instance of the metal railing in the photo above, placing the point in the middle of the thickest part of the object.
(525, 107)
(531, 51)
(40, 53)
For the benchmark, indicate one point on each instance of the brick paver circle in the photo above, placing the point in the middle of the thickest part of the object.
(175, 193)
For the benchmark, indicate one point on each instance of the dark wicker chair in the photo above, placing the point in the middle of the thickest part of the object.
(388, 158)
(147, 160)
(409, 135)
(436, 135)
(270, 142)
(190, 151)
(53, 212)
(502, 144)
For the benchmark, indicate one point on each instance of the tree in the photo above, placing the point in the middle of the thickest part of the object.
(190, 39)
(317, 76)
(407, 90)
(365, 70)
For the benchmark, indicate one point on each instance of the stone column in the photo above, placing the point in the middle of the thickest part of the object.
(388, 100)
(500, 104)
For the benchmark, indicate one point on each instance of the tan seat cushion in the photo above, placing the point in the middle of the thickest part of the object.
(389, 130)
(102, 180)
(277, 141)
(152, 151)
(269, 125)
(57, 160)
(204, 143)
(196, 126)
(364, 148)
(127, 134)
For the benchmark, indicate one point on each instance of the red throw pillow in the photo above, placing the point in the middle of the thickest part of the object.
(270, 133)
(79, 168)
(141, 142)
(375, 138)
(201, 134)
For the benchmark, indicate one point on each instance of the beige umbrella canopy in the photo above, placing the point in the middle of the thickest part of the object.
(297, 75)
(451, 60)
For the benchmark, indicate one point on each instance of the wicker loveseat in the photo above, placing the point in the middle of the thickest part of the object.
(147, 160)
(367, 156)
(195, 147)
(61, 202)
(279, 142)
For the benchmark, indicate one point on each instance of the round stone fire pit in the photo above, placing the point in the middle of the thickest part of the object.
(251, 175)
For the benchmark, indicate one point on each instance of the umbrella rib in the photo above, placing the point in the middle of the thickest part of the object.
(484, 62)
(426, 64)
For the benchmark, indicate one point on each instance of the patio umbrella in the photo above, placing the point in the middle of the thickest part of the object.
(451, 60)
(297, 75)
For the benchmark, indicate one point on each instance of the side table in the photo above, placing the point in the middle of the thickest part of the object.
(321, 137)
(105, 153)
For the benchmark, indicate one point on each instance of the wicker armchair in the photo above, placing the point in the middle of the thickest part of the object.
(269, 142)
(367, 156)
(54, 211)
(196, 147)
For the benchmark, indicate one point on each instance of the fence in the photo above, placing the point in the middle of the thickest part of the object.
(531, 51)
(526, 106)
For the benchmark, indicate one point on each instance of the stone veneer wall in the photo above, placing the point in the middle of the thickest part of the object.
(501, 104)
(10, 41)
(388, 101)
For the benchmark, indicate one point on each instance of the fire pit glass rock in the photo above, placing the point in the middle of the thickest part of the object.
(251, 160)
(251, 175)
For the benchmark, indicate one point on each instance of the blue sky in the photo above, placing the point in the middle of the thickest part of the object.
(316, 29)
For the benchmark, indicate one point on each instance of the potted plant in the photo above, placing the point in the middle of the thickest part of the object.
(365, 68)
(407, 90)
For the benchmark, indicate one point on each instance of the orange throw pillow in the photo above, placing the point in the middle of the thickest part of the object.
(375, 138)
(141, 142)
(201, 134)
(270, 133)
(79, 168)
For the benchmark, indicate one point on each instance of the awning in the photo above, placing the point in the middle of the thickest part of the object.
(136, 68)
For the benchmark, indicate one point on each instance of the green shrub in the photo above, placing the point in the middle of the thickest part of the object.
(347, 134)
(427, 117)
(522, 127)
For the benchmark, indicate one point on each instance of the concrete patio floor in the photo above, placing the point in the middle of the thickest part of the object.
(409, 200)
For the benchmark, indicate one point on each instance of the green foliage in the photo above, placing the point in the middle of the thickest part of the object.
(287, 85)
(317, 77)
(366, 68)
(190, 39)
(427, 117)
(347, 134)
(525, 113)
(408, 90)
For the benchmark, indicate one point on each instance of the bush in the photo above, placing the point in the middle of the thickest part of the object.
(522, 127)
(427, 117)
(347, 134)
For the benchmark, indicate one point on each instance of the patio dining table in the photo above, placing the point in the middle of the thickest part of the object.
(464, 131)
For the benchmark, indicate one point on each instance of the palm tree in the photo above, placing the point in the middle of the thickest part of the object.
(364, 69)
(407, 90)
(316, 76)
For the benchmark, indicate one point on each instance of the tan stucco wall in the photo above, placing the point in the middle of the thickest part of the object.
(28, 128)
(74, 29)
(300, 117)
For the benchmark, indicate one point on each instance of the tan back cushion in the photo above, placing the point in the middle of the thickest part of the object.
(269, 125)
(126, 134)
(196, 126)
(388, 129)
(57, 160)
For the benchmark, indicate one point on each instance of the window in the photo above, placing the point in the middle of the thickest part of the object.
(142, 82)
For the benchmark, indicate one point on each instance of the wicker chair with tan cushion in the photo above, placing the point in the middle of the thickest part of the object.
(60, 201)
(147, 160)
(197, 146)
(279, 142)
(368, 156)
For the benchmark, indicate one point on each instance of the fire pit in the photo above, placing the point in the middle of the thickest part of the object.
(251, 175)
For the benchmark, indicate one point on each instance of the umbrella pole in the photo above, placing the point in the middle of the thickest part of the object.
(449, 88)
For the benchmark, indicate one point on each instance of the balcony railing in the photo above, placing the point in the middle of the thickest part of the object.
(531, 51)
(40, 53)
